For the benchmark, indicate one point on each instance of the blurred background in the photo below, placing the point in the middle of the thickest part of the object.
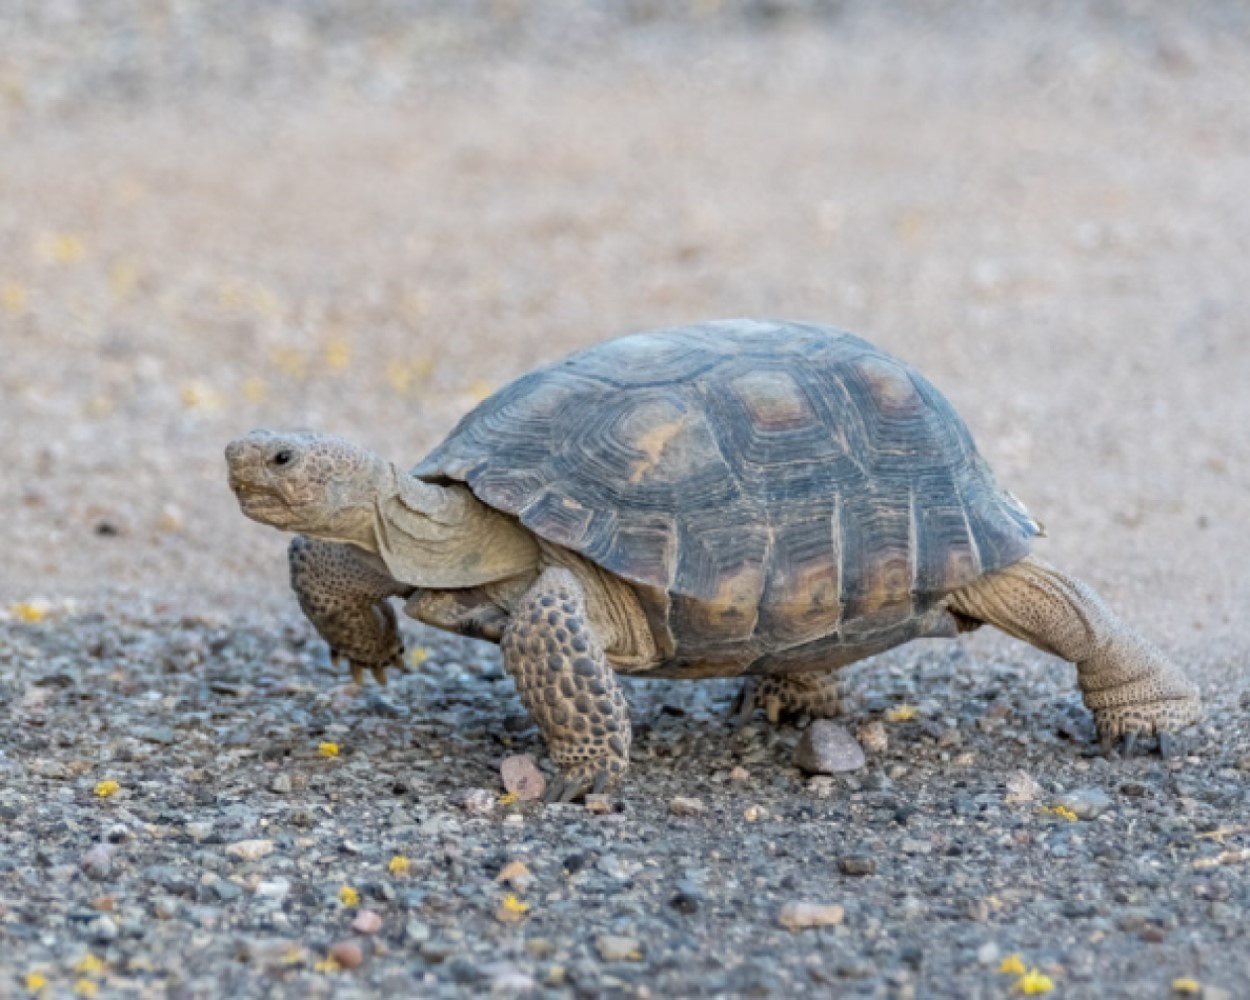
(364, 217)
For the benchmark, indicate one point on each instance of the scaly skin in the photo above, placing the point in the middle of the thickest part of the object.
(567, 685)
(788, 697)
(1130, 686)
(344, 595)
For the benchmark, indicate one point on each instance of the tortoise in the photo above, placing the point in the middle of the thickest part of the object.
(736, 498)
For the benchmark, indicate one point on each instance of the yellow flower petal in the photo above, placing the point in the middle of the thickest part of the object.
(1186, 987)
(124, 278)
(197, 395)
(328, 749)
(1033, 982)
(1012, 965)
(510, 902)
(327, 965)
(13, 298)
(1063, 812)
(35, 982)
(90, 965)
(399, 865)
(507, 798)
(86, 988)
(904, 713)
(349, 896)
(62, 248)
(104, 789)
(418, 655)
(338, 354)
(30, 611)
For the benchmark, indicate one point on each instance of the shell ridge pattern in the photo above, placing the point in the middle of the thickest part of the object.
(778, 483)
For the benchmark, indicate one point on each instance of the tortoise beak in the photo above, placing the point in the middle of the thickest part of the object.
(248, 474)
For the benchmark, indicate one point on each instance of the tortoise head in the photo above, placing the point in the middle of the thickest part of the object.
(312, 483)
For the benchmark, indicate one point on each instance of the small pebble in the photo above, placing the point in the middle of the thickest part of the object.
(797, 916)
(281, 783)
(753, 813)
(477, 800)
(682, 806)
(873, 737)
(367, 922)
(273, 889)
(97, 863)
(828, 748)
(1087, 803)
(598, 803)
(1021, 787)
(740, 773)
(522, 778)
(347, 953)
(250, 850)
(516, 874)
(618, 948)
(857, 864)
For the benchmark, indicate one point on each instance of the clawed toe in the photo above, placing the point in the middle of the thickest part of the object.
(743, 705)
(1130, 743)
(378, 670)
(573, 785)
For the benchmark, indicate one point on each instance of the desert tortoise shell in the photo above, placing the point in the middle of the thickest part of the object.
(775, 492)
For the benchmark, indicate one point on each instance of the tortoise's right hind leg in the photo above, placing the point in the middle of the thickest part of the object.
(789, 696)
(567, 685)
(1130, 686)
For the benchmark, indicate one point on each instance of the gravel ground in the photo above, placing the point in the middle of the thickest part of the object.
(363, 223)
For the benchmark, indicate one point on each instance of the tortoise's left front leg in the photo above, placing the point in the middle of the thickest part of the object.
(343, 591)
(567, 685)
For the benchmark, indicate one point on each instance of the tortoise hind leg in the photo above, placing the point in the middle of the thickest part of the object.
(788, 696)
(1129, 685)
(567, 685)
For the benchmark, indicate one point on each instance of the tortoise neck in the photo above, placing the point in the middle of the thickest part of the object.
(444, 537)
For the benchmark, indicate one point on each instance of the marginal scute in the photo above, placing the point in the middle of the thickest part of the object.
(776, 492)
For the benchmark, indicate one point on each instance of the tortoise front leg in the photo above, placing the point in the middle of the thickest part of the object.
(343, 591)
(567, 685)
(1129, 685)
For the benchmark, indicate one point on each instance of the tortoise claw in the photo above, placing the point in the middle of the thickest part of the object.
(1106, 743)
(379, 674)
(574, 785)
(358, 674)
(1129, 746)
(743, 706)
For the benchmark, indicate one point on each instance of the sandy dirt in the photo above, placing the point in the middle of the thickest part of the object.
(1047, 217)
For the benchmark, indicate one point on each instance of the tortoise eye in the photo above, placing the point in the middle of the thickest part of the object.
(282, 458)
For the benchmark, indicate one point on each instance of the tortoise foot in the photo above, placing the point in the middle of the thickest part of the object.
(589, 778)
(784, 699)
(1127, 727)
